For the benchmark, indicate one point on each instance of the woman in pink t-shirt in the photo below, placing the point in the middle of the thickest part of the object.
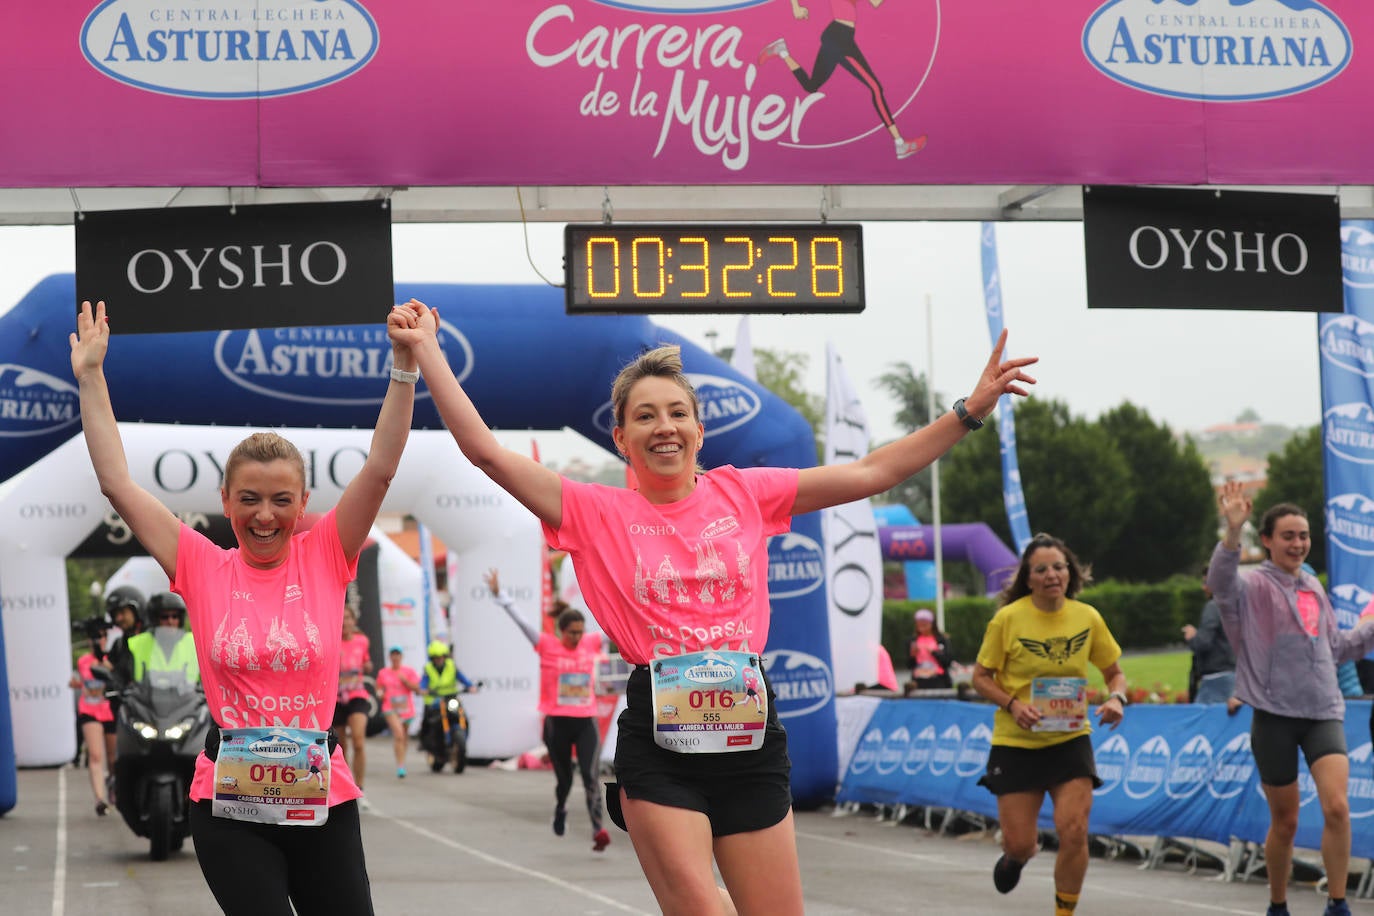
(675, 572)
(397, 685)
(96, 718)
(567, 698)
(354, 704)
(272, 611)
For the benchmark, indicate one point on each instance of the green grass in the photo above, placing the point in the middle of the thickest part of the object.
(1145, 671)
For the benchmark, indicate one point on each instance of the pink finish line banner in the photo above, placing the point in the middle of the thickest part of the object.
(586, 92)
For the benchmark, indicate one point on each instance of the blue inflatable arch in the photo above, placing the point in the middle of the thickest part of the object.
(524, 362)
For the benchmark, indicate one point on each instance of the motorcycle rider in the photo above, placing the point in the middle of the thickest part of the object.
(441, 677)
(165, 647)
(124, 607)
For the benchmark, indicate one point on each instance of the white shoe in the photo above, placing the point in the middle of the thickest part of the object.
(773, 49)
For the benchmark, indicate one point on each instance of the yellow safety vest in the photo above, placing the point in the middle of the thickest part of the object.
(147, 655)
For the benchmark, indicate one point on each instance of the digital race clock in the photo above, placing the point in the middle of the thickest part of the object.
(714, 268)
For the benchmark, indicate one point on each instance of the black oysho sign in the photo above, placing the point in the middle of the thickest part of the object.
(211, 268)
(1167, 248)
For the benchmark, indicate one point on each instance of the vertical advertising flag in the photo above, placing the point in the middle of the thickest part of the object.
(742, 360)
(435, 626)
(853, 559)
(1012, 496)
(1346, 345)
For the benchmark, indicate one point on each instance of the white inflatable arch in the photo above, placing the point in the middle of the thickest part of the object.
(46, 512)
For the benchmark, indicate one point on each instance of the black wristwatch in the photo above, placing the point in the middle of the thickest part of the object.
(965, 417)
(1120, 698)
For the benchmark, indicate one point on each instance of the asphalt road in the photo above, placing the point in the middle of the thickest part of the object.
(480, 842)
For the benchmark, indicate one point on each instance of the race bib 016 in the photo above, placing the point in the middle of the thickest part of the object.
(273, 775)
(1062, 703)
(710, 702)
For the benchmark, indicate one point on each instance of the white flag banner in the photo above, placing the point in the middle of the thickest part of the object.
(853, 558)
(743, 358)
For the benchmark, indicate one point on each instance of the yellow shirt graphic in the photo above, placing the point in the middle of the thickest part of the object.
(1023, 642)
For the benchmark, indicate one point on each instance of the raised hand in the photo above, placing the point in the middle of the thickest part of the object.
(999, 377)
(1233, 505)
(493, 581)
(91, 339)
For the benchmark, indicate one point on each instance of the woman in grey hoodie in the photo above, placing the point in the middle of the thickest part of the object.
(1283, 629)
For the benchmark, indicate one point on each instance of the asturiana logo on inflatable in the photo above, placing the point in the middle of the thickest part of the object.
(34, 403)
(1113, 756)
(801, 683)
(1357, 256)
(1217, 50)
(796, 565)
(1350, 523)
(1347, 342)
(919, 751)
(1348, 431)
(1148, 767)
(725, 403)
(1349, 600)
(289, 363)
(1233, 768)
(231, 49)
(1190, 768)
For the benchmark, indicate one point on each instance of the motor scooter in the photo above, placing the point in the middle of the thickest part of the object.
(444, 732)
(160, 730)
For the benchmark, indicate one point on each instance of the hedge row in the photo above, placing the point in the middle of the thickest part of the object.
(1139, 616)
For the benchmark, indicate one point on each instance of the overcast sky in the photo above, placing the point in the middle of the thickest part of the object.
(1189, 369)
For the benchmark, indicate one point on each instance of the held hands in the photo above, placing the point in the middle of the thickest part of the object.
(411, 323)
(1233, 506)
(90, 341)
(999, 377)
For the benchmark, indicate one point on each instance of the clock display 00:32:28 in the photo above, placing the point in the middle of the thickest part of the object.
(714, 268)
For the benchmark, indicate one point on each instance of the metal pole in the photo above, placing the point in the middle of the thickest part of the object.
(934, 473)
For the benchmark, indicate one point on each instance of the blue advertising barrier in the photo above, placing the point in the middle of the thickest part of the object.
(1182, 771)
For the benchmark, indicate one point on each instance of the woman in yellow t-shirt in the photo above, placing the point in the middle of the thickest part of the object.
(1033, 664)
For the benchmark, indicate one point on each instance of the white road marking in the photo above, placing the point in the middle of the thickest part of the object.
(59, 870)
(511, 866)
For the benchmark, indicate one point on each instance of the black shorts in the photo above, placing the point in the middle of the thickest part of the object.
(343, 710)
(1274, 742)
(738, 792)
(1025, 769)
(84, 717)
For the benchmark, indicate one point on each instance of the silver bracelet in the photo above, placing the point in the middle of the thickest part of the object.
(401, 375)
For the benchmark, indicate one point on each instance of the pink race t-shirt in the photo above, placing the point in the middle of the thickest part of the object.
(683, 576)
(396, 696)
(567, 677)
(269, 654)
(352, 660)
(92, 701)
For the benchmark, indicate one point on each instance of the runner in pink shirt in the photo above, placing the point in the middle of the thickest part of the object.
(272, 612)
(567, 698)
(354, 704)
(675, 572)
(95, 716)
(397, 685)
